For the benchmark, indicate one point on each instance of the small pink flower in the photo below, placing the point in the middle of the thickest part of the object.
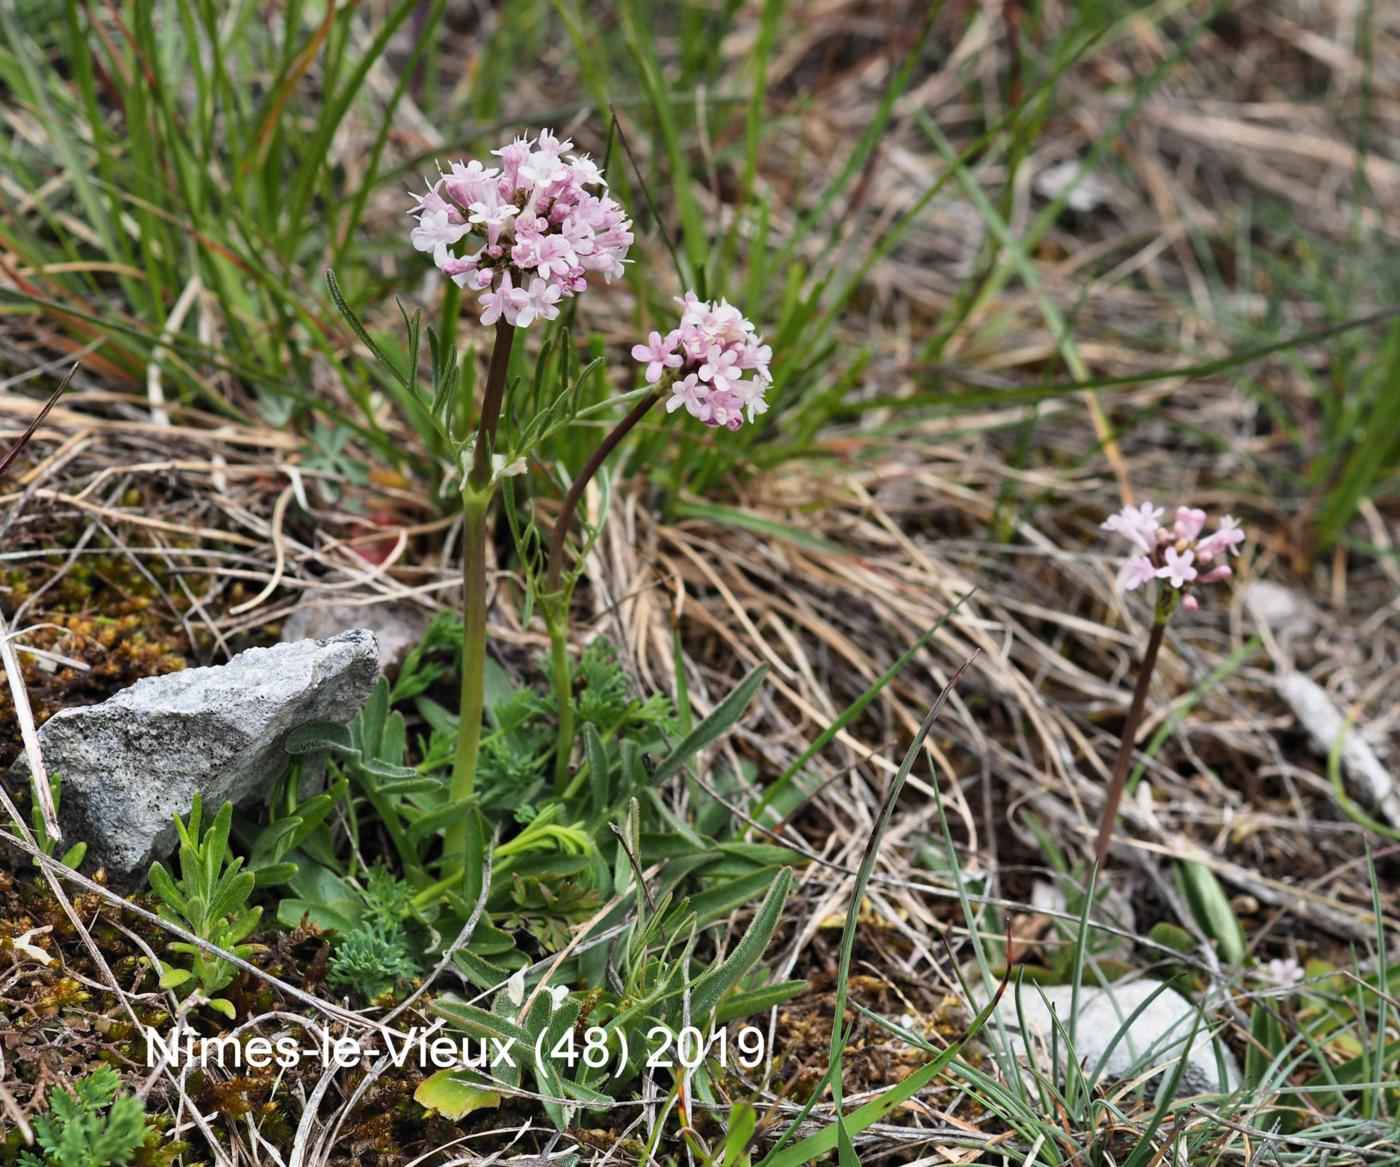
(659, 354)
(757, 357)
(1176, 568)
(471, 183)
(462, 272)
(1138, 571)
(555, 256)
(725, 409)
(1227, 538)
(1189, 524)
(691, 393)
(550, 146)
(1139, 525)
(542, 168)
(436, 232)
(541, 303)
(430, 200)
(504, 301)
(492, 217)
(513, 157)
(754, 403)
(587, 170)
(525, 254)
(721, 367)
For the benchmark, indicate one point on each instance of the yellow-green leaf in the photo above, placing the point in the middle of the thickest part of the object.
(454, 1095)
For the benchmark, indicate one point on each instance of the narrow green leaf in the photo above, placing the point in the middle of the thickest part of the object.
(359, 329)
(478, 1022)
(724, 715)
(739, 1005)
(1212, 909)
(164, 886)
(317, 736)
(598, 768)
(275, 874)
(1379, 442)
(711, 986)
(411, 783)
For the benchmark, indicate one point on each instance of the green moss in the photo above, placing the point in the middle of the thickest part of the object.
(112, 620)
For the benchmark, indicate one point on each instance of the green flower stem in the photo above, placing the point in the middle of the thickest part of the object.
(1130, 728)
(557, 608)
(557, 621)
(408, 853)
(477, 494)
(435, 891)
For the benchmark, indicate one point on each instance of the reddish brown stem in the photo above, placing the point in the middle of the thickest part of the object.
(1125, 748)
(491, 404)
(558, 539)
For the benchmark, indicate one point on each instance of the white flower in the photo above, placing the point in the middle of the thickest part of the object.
(1137, 571)
(541, 303)
(1283, 973)
(1139, 525)
(515, 988)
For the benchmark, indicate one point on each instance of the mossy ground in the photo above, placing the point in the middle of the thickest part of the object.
(105, 621)
(58, 1022)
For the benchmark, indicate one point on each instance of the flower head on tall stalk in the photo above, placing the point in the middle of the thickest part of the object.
(714, 362)
(1179, 558)
(525, 233)
(1176, 554)
(716, 366)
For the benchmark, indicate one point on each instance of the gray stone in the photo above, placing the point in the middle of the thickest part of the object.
(398, 626)
(129, 765)
(1281, 609)
(1325, 723)
(1149, 1050)
(1112, 907)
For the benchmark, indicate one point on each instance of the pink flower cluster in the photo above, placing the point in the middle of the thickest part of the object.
(705, 360)
(1174, 553)
(536, 228)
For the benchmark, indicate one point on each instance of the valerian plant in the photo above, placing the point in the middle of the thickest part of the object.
(716, 366)
(538, 229)
(1177, 559)
(489, 833)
